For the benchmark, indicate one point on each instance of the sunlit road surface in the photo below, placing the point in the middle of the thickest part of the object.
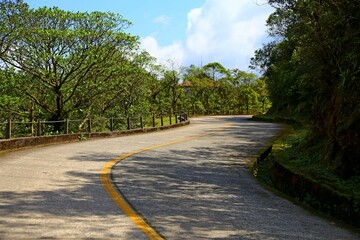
(194, 184)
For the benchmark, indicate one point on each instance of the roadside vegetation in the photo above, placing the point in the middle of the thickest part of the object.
(57, 65)
(312, 70)
(289, 151)
(293, 167)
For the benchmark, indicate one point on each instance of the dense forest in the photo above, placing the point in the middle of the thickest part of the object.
(56, 65)
(312, 70)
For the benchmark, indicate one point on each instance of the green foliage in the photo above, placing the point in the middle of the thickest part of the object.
(57, 65)
(293, 168)
(68, 57)
(11, 23)
(11, 102)
(82, 137)
(313, 72)
(289, 151)
(213, 89)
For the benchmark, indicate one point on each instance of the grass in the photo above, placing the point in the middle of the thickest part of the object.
(166, 121)
(297, 172)
(293, 152)
(148, 122)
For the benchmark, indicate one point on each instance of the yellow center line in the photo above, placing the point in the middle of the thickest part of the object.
(119, 199)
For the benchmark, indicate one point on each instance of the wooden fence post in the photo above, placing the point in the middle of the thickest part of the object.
(162, 120)
(128, 123)
(8, 129)
(141, 123)
(32, 129)
(39, 128)
(89, 124)
(66, 126)
(153, 120)
(111, 124)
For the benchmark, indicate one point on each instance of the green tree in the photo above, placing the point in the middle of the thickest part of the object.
(215, 71)
(69, 56)
(262, 94)
(11, 23)
(11, 104)
(315, 68)
(201, 90)
(172, 80)
(216, 90)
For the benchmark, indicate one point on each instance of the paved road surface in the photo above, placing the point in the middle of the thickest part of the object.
(194, 189)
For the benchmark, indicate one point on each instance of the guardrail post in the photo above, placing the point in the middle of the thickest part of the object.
(32, 129)
(8, 129)
(141, 123)
(39, 128)
(111, 124)
(128, 123)
(162, 120)
(89, 124)
(153, 120)
(66, 126)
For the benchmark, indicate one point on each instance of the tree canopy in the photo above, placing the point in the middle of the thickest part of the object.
(57, 64)
(313, 71)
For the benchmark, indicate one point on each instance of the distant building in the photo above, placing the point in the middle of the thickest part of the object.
(186, 86)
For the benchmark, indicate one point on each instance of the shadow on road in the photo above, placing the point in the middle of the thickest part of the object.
(203, 190)
(76, 207)
(193, 190)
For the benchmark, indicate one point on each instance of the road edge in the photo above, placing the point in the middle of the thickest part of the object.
(119, 198)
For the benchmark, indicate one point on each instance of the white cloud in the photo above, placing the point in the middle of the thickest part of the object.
(227, 32)
(193, 16)
(163, 19)
(173, 52)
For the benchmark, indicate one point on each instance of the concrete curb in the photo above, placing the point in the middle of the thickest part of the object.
(16, 143)
(308, 192)
(263, 154)
(316, 194)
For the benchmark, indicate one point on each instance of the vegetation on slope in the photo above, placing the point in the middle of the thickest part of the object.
(312, 71)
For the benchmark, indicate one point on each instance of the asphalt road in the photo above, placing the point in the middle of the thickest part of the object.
(193, 185)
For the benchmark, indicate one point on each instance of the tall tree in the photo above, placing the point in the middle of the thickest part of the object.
(11, 23)
(315, 67)
(68, 55)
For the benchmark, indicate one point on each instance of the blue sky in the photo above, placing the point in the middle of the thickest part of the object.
(186, 32)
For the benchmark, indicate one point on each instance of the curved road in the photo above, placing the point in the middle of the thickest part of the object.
(193, 185)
